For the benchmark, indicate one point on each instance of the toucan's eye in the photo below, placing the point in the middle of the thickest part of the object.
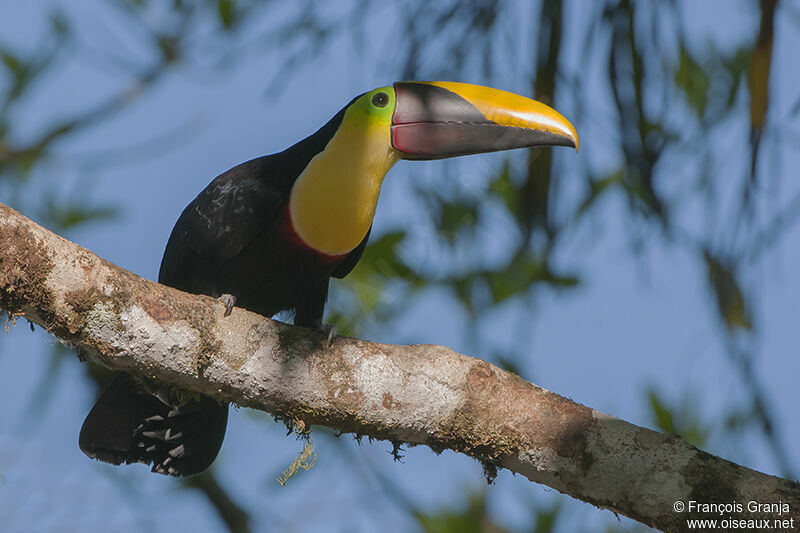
(380, 99)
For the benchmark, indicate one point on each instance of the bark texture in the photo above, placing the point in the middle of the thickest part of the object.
(417, 394)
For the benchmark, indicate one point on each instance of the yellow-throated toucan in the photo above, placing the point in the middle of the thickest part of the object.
(271, 232)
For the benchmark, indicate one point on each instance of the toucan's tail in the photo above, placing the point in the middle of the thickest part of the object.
(130, 425)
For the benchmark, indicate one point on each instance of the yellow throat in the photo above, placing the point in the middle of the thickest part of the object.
(333, 201)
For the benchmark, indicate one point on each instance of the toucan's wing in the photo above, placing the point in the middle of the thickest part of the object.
(236, 207)
(224, 218)
(349, 262)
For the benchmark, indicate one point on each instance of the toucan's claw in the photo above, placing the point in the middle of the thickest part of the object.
(330, 331)
(229, 300)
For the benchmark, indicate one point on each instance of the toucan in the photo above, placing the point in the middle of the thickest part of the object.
(268, 234)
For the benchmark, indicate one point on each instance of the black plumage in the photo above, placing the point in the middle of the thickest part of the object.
(235, 238)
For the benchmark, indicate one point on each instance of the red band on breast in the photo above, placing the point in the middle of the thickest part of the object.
(287, 231)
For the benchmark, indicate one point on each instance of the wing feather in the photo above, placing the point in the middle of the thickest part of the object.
(224, 218)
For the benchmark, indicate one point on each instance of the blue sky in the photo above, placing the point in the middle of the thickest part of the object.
(635, 322)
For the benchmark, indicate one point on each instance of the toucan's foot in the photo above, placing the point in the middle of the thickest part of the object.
(229, 300)
(330, 331)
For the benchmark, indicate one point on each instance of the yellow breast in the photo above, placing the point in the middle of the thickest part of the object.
(333, 201)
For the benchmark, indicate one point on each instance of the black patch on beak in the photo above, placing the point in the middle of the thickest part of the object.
(420, 102)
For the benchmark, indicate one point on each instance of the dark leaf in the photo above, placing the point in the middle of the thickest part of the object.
(13, 64)
(596, 189)
(59, 23)
(735, 67)
(661, 413)
(455, 217)
(520, 274)
(680, 420)
(503, 188)
(730, 299)
(345, 325)
(760, 62)
(507, 363)
(380, 257)
(545, 518)
(473, 518)
(227, 13)
(19, 73)
(694, 81)
(65, 216)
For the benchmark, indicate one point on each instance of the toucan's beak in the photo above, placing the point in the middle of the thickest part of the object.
(435, 119)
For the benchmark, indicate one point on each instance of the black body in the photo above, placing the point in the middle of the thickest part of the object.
(234, 238)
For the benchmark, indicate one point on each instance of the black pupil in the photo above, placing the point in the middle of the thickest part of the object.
(380, 100)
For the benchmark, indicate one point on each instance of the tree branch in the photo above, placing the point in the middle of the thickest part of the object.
(417, 394)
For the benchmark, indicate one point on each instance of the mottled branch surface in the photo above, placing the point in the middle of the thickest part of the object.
(415, 394)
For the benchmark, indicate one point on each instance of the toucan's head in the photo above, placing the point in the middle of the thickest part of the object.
(333, 200)
(435, 119)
